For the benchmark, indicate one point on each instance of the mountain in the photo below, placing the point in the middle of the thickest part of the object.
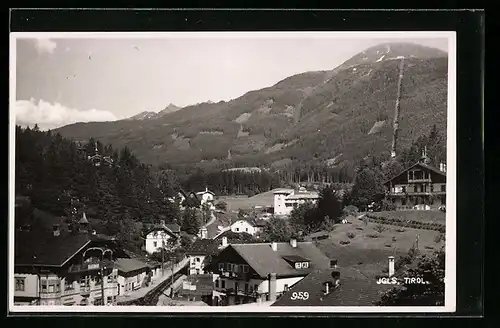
(335, 117)
(143, 116)
(146, 115)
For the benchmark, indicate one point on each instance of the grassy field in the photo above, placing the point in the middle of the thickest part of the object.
(262, 199)
(423, 216)
(392, 240)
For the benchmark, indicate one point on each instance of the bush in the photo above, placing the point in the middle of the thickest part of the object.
(380, 228)
(400, 230)
(344, 242)
(374, 236)
(388, 245)
(439, 238)
(359, 228)
(429, 247)
(351, 235)
(393, 239)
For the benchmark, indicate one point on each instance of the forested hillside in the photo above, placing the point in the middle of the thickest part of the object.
(306, 122)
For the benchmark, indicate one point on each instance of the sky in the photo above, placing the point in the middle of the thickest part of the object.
(62, 79)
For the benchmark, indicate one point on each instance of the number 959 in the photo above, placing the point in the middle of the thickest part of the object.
(299, 296)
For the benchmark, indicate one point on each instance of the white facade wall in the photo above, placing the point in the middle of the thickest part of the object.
(58, 292)
(196, 264)
(262, 285)
(129, 284)
(26, 285)
(155, 240)
(284, 206)
(279, 203)
(243, 226)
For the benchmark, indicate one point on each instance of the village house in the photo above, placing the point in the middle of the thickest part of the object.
(198, 288)
(420, 187)
(285, 200)
(162, 236)
(132, 275)
(260, 272)
(64, 266)
(206, 197)
(200, 254)
(250, 226)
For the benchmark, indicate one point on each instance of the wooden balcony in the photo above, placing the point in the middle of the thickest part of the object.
(416, 193)
(50, 294)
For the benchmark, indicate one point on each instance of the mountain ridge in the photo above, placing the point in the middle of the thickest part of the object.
(316, 115)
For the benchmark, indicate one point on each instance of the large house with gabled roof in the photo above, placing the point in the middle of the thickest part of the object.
(419, 187)
(260, 272)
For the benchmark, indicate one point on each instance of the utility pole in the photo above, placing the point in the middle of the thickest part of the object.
(162, 261)
(102, 285)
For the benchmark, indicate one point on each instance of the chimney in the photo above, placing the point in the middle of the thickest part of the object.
(272, 287)
(336, 279)
(224, 241)
(333, 264)
(55, 230)
(274, 246)
(293, 242)
(391, 266)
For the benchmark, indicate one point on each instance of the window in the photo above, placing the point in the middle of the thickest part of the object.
(110, 278)
(20, 284)
(217, 284)
(245, 268)
(229, 267)
(109, 299)
(223, 284)
(237, 229)
(246, 288)
(68, 284)
(197, 259)
(443, 188)
(221, 266)
(197, 271)
(98, 301)
(155, 243)
(256, 288)
(246, 229)
(403, 201)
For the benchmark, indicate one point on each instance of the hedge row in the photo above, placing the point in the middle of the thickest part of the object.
(407, 223)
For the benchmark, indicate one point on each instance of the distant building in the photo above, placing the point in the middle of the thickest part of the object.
(285, 200)
(261, 271)
(206, 197)
(420, 187)
(250, 226)
(162, 235)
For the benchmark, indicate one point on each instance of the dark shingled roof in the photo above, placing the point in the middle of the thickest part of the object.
(129, 265)
(203, 247)
(264, 260)
(429, 167)
(42, 248)
(175, 228)
(356, 289)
